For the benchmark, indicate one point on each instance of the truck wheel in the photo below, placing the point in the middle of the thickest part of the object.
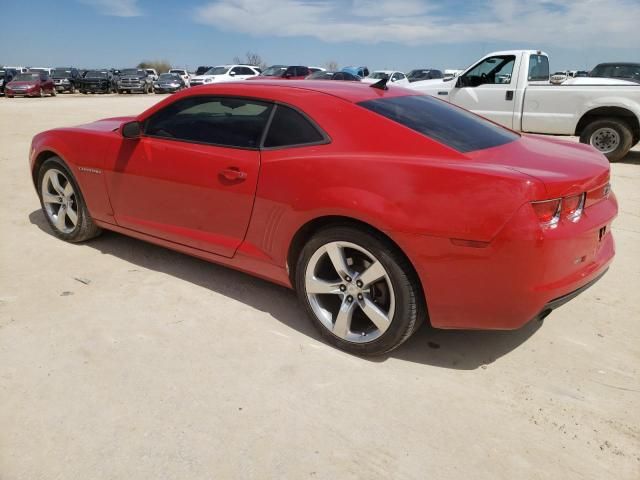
(610, 136)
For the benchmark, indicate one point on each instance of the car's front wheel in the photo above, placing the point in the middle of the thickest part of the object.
(360, 291)
(63, 204)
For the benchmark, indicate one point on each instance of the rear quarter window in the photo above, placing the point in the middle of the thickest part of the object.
(452, 126)
(291, 128)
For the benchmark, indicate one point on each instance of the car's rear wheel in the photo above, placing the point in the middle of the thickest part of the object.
(359, 290)
(610, 136)
(63, 204)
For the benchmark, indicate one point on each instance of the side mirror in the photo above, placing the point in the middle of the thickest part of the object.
(233, 74)
(461, 82)
(131, 130)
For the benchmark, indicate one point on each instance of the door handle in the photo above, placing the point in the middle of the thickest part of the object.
(233, 174)
(509, 95)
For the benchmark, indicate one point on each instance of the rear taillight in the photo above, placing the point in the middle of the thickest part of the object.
(548, 211)
(572, 207)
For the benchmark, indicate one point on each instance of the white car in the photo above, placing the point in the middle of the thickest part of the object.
(513, 88)
(152, 74)
(183, 74)
(395, 77)
(225, 73)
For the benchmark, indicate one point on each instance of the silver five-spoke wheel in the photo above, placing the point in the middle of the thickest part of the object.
(59, 199)
(350, 292)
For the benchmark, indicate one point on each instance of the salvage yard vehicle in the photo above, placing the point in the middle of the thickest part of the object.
(225, 73)
(97, 81)
(184, 74)
(513, 88)
(152, 74)
(66, 79)
(30, 84)
(6, 75)
(283, 72)
(625, 71)
(424, 74)
(361, 72)
(403, 209)
(134, 80)
(397, 78)
(169, 83)
(328, 75)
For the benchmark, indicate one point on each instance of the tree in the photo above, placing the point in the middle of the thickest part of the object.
(160, 66)
(251, 58)
(331, 65)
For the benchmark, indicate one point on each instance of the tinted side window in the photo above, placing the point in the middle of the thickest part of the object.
(538, 68)
(290, 127)
(233, 122)
(442, 122)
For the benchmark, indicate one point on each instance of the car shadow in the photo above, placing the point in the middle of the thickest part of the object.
(455, 349)
(632, 158)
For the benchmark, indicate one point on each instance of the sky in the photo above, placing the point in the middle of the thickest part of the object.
(389, 34)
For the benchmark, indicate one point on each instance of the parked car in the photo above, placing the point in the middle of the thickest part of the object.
(66, 79)
(134, 80)
(513, 88)
(361, 72)
(152, 74)
(169, 83)
(98, 81)
(30, 84)
(392, 76)
(225, 73)
(184, 74)
(280, 72)
(623, 70)
(317, 69)
(329, 75)
(424, 74)
(400, 205)
(6, 75)
(202, 69)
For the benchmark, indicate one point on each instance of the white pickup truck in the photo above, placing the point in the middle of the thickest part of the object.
(513, 88)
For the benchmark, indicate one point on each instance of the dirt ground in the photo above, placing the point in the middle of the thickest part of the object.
(123, 360)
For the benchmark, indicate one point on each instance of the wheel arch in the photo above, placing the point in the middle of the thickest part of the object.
(42, 157)
(624, 114)
(309, 229)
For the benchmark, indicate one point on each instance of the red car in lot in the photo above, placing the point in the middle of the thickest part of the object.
(31, 84)
(384, 209)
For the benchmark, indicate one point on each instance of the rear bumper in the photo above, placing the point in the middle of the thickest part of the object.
(521, 274)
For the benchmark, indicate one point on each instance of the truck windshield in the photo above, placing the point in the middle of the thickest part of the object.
(442, 122)
(132, 72)
(59, 73)
(95, 74)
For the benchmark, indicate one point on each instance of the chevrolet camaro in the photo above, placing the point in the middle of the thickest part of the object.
(383, 208)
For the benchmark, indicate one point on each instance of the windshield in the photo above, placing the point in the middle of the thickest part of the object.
(177, 72)
(95, 74)
(631, 71)
(379, 75)
(217, 71)
(27, 77)
(274, 71)
(133, 72)
(169, 76)
(61, 73)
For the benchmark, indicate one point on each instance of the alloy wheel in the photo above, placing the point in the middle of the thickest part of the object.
(59, 200)
(350, 292)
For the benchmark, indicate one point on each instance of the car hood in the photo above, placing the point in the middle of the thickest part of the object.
(563, 166)
(106, 124)
(22, 84)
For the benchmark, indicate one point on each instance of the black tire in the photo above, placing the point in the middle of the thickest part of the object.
(83, 92)
(85, 228)
(410, 308)
(621, 128)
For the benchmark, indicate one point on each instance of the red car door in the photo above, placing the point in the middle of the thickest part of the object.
(192, 177)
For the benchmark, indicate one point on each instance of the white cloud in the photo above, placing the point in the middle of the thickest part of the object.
(115, 8)
(581, 23)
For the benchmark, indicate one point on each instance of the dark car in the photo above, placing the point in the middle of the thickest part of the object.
(356, 71)
(6, 75)
(202, 69)
(424, 74)
(66, 79)
(30, 84)
(279, 72)
(329, 75)
(169, 83)
(97, 81)
(623, 71)
(134, 80)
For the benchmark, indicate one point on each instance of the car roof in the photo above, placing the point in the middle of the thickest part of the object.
(349, 91)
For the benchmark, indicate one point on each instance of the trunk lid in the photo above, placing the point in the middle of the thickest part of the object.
(566, 168)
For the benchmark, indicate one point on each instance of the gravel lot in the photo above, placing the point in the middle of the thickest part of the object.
(122, 360)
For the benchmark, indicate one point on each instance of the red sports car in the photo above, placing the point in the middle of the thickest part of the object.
(384, 209)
